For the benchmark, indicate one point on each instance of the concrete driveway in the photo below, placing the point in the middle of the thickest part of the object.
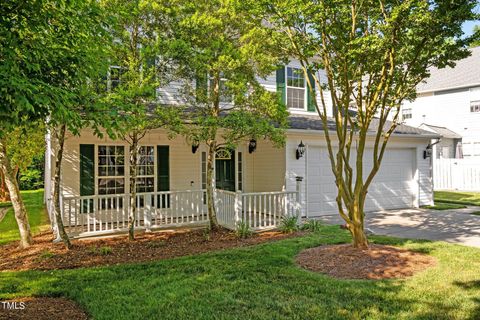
(456, 225)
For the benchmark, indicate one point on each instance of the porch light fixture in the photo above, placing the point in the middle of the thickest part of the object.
(252, 146)
(300, 150)
(195, 146)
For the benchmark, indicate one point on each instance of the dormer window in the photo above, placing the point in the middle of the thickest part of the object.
(296, 91)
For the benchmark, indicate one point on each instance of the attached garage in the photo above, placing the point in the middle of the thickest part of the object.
(393, 186)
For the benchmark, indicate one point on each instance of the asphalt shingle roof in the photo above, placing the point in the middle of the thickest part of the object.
(444, 132)
(314, 123)
(465, 74)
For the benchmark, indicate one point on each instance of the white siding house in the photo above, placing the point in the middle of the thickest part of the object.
(450, 98)
(448, 103)
(262, 186)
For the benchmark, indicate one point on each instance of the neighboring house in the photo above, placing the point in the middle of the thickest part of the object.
(258, 187)
(450, 101)
(449, 146)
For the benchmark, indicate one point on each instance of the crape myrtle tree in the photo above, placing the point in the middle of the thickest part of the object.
(373, 54)
(219, 51)
(135, 74)
(43, 55)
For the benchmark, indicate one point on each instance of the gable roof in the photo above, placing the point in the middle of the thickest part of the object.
(464, 74)
(443, 131)
(314, 123)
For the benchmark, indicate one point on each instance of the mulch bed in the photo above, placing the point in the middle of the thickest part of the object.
(41, 309)
(45, 255)
(376, 262)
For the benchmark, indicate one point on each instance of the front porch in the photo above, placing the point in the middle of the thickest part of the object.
(252, 185)
(86, 216)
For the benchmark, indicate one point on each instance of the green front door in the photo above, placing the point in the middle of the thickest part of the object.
(225, 172)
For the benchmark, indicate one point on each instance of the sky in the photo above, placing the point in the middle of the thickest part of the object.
(468, 27)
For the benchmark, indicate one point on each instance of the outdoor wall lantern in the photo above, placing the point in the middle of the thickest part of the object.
(195, 146)
(252, 146)
(427, 153)
(300, 150)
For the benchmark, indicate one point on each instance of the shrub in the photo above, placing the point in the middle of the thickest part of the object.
(289, 224)
(243, 230)
(312, 225)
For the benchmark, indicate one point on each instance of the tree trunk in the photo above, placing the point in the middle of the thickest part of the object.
(56, 187)
(212, 214)
(21, 215)
(133, 185)
(4, 195)
(357, 227)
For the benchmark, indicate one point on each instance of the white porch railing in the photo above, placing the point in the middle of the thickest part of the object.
(95, 215)
(259, 210)
(91, 215)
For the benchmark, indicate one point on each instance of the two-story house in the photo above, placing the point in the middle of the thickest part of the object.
(448, 103)
(264, 184)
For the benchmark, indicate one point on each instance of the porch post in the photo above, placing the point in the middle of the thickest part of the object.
(299, 199)
(238, 207)
(147, 212)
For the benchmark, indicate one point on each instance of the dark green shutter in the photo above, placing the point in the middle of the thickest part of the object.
(163, 168)
(281, 87)
(311, 95)
(87, 169)
(201, 86)
(163, 176)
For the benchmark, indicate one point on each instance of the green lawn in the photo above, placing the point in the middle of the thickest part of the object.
(466, 198)
(36, 215)
(262, 282)
(445, 206)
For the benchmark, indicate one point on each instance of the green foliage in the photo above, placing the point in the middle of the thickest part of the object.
(243, 230)
(289, 224)
(476, 32)
(312, 225)
(37, 217)
(252, 282)
(221, 50)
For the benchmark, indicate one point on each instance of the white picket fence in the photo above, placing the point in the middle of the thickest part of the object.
(456, 174)
(97, 215)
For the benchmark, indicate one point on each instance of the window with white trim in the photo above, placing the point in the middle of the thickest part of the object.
(406, 113)
(475, 106)
(146, 169)
(296, 92)
(111, 170)
(114, 77)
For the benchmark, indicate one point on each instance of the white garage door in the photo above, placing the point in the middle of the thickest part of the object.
(391, 188)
